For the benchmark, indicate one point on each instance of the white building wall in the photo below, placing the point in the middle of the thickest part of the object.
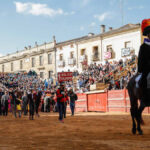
(88, 46)
(118, 42)
(27, 59)
(66, 50)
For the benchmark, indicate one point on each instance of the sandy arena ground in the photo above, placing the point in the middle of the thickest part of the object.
(85, 131)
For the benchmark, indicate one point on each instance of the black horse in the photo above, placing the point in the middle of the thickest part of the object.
(137, 105)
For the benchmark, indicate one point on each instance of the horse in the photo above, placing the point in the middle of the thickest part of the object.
(136, 110)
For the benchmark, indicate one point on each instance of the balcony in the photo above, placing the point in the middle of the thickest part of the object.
(71, 61)
(61, 63)
(82, 58)
(95, 57)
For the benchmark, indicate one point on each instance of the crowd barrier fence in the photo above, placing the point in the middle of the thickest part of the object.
(109, 101)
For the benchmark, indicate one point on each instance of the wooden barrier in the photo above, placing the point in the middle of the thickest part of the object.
(116, 101)
(110, 101)
(127, 101)
(80, 104)
(97, 102)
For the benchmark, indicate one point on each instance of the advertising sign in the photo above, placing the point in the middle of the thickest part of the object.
(125, 52)
(107, 55)
(65, 76)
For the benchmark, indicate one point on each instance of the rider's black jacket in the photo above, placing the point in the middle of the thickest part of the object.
(144, 59)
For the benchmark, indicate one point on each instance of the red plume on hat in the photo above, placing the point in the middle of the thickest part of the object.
(145, 26)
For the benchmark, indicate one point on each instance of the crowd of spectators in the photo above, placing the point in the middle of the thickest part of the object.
(115, 74)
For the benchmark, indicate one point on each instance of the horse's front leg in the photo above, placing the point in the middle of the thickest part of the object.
(141, 108)
(139, 125)
(139, 117)
(132, 111)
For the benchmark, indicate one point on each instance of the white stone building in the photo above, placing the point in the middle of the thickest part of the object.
(40, 58)
(114, 44)
(66, 56)
(49, 58)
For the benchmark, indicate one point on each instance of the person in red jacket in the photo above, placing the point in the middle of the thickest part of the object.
(62, 98)
(66, 101)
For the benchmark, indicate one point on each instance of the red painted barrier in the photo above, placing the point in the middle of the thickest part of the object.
(116, 101)
(111, 101)
(97, 102)
(80, 104)
(127, 101)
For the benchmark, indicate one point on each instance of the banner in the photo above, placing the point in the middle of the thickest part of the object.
(125, 52)
(65, 76)
(107, 55)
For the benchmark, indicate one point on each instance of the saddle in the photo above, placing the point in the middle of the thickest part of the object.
(138, 77)
(139, 91)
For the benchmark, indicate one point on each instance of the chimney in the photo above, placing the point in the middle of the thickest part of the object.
(29, 46)
(25, 48)
(110, 28)
(102, 28)
(54, 40)
(36, 44)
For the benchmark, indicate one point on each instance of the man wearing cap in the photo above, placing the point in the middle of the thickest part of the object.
(144, 58)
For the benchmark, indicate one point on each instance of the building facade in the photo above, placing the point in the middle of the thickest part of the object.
(115, 44)
(40, 58)
(49, 58)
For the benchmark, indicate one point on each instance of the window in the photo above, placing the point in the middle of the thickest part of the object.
(127, 44)
(41, 60)
(71, 45)
(21, 64)
(82, 51)
(33, 62)
(50, 74)
(61, 57)
(109, 48)
(42, 75)
(71, 55)
(12, 67)
(95, 50)
(95, 53)
(60, 48)
(49, 58)
(3, 68)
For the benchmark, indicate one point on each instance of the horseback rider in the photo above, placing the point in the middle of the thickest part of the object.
(144, 59)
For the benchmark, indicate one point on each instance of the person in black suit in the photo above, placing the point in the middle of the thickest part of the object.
(1, 94)
(13, 95)
(37, 102)
(31, 105)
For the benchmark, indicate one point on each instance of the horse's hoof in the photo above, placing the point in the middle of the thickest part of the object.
(142, 123)
(134, 131)
(140, 132)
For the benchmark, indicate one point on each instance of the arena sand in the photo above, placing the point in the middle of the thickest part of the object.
(84, 131)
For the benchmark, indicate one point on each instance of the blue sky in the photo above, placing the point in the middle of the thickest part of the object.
(22, 22)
